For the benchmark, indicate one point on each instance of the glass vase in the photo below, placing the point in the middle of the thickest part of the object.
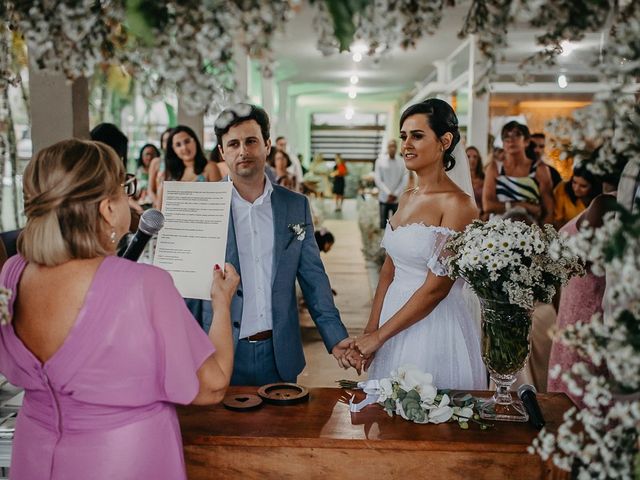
(505, 349)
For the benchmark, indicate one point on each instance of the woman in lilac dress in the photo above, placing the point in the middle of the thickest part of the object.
(103, 347)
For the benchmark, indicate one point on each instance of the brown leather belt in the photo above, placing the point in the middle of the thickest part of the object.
(258, 337)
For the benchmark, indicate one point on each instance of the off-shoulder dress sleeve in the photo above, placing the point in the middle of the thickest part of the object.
(182, 345)
(437, 251)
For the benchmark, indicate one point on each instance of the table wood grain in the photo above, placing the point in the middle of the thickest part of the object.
(322, 437)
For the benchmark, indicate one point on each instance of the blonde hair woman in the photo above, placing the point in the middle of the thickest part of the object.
(102, 346)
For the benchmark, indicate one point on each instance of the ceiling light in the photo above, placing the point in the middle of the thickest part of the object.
(358, 47)
(562, 81)
(357, 57)
(354, 79)
(348, 113)
(567, 47)
(352, 93)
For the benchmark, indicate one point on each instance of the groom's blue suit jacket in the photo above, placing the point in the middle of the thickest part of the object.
(292, 258)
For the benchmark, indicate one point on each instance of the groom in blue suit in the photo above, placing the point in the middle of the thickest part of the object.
(271, 243)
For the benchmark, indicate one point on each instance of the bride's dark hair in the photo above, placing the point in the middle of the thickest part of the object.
(442, 119)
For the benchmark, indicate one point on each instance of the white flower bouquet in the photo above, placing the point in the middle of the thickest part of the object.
(410, 393)
(511, 262)
(510, 265)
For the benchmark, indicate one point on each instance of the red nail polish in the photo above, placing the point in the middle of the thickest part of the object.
(217, 267)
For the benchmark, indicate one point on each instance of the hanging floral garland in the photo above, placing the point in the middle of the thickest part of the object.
(69, 36)
(257, 22)
(173, 45)
(8, 75)
(324, 26)
(380, 24)
(191, 52)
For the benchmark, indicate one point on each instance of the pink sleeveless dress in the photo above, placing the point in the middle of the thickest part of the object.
(103, 406)
(579, 300)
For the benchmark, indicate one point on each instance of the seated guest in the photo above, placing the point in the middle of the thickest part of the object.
(537, 147)
(147, 153)
(573, 197)
(324, 239)
(111, 135)
(102, 346)
(157, 169)
(282, 161)
(215, 157)
(519, 181)
(185, 160)
(477, 174)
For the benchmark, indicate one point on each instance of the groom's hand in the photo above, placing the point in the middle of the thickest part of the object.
(340, 350)
(355, 359)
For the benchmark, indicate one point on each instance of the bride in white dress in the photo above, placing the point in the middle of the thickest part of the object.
(419, 315)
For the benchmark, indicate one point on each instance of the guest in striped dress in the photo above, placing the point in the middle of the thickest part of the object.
(519, 181)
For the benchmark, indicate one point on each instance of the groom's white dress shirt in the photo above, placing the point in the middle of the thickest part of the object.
(253, 223)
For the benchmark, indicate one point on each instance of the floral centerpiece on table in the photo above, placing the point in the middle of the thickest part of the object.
(510, 265)
(410, 393)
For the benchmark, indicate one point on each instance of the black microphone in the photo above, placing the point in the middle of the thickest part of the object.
(151, 222)
(527, 393)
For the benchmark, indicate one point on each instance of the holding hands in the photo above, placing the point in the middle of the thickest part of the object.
(357, 352)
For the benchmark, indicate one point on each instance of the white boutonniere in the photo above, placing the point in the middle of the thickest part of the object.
(5, 297)
(299, 232)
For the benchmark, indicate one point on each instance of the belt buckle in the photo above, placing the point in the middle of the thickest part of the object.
(252, 341)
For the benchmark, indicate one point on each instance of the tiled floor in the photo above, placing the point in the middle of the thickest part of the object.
(347, 272)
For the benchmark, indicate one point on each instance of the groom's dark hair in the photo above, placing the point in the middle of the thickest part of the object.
(238, 113)
(441, 119)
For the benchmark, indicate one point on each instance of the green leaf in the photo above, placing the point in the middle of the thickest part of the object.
(143, 16)
(413, 395)
(343, 12)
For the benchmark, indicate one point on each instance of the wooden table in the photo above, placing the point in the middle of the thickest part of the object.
(322, 439)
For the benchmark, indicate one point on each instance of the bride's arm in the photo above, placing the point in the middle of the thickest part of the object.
(385, 279)
(427, 297)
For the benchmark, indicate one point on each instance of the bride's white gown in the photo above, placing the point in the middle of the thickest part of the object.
(446, 343)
